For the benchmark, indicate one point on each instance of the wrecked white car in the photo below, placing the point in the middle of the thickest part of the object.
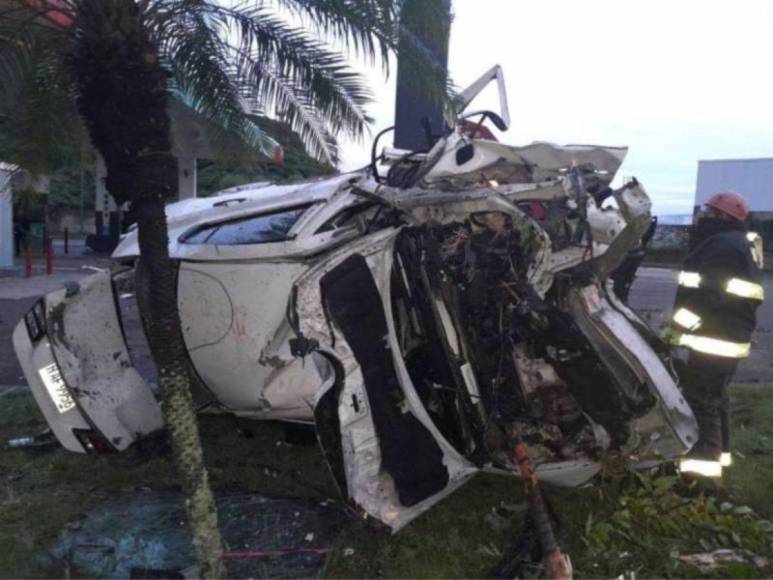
(419, 312)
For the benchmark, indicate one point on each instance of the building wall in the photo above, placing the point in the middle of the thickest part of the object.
(751, 177)
(76, 221)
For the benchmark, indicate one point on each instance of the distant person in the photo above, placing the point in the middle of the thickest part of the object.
(21, 234)
(714, 317)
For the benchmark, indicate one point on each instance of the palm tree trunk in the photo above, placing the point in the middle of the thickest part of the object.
(165, 339)
(123, 99)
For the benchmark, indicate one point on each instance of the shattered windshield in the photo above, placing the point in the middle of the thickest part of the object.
(256, 229)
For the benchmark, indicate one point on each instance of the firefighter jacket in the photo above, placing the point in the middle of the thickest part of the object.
(719, 292)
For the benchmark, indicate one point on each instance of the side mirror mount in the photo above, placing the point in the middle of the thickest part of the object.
(465, 153)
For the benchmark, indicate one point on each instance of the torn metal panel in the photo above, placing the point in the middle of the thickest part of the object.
(368, 485)
(434, 207)
(623, 228)
(527, 164)
(568, 473)
(466, 96)
(669, 428)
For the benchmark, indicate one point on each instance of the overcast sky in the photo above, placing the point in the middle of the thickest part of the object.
(675, 81)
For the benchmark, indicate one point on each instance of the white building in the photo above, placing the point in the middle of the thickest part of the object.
(753, 178)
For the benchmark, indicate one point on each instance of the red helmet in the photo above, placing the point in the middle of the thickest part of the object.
(732, 204)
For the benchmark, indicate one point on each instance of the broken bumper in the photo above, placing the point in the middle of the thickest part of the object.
(54, 399)
(73, 353)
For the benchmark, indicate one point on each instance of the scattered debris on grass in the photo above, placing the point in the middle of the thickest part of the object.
(709, 561)
(651, 517)
(128, 532)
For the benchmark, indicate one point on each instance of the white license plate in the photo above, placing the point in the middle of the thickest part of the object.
(52, 379)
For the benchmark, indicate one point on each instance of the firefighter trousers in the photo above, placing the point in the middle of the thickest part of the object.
(706, 381)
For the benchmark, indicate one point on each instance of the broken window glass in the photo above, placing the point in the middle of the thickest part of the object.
(256, 229)
(346, 217)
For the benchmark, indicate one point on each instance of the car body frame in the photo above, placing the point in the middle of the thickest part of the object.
(423, 320)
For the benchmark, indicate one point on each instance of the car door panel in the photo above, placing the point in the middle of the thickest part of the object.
(229, 313)
(409, 453)
(395, 461)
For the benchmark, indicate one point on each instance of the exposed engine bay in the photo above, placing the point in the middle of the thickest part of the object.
(505, 358)
(490, 353)
(490, 320)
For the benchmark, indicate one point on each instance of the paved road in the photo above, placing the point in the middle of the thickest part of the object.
(653, 295)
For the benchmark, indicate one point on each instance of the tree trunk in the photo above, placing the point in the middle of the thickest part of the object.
(165, 338)
(123, 100)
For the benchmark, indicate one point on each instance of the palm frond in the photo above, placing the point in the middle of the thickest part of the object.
(197, 58)
(369, 27)
(334, 89)
(47, 122)
(292, 104)
(304, 79)
(36, 94)
(339, 95)
(20, 43)
(229, 59)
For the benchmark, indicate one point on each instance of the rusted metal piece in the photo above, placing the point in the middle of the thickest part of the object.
(557, 564)
(27, 261)
(49, 249)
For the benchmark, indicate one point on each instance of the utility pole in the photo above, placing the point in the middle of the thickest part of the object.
(422, 72)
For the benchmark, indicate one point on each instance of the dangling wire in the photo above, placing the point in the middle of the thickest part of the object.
(373, 157)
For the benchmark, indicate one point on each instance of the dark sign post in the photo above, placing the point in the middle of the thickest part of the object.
(422, 65)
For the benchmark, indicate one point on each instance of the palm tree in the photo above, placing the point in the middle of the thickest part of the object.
(109, 67)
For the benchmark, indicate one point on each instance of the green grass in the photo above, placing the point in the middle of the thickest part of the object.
(626, 522)
(462, 537)
(642, 522)
(750, 479)
(42, 491)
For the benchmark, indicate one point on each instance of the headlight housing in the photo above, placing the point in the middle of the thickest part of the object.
(35, 321)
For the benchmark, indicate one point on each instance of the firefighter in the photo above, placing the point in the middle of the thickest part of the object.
(714, 316)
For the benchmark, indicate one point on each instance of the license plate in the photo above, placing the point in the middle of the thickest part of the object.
(52, 379)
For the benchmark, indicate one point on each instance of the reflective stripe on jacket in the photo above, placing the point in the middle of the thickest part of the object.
(720, 288)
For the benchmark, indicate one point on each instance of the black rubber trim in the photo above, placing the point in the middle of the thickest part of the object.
(409, 452)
